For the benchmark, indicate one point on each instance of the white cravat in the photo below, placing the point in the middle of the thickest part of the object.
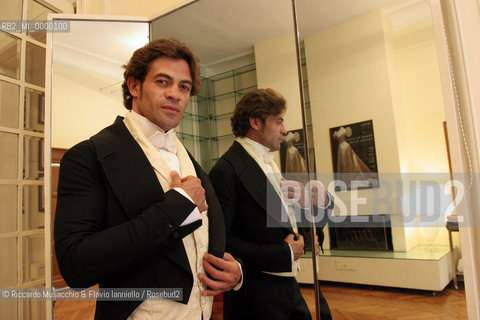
(165, 143)
(164, 140)
(268, 156)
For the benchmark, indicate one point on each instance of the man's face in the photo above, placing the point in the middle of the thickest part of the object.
(165, 92)
(272, 132)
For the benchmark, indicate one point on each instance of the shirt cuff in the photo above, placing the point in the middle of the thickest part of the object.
(194, 215)
(291, 252)
(240, 283)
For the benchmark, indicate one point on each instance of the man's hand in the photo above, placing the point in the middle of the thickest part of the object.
(297, 245)
(320, 197)
(294, 193)
(193, 187)
(225, 272)
(317, 245)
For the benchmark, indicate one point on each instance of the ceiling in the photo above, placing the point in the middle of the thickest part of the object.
(93, 53)
(101, 47)
(232, 27)
(229, 28)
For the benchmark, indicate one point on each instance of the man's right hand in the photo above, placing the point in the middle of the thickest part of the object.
(193, 187)
(297, 245)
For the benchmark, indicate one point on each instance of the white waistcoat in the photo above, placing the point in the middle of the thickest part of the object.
(196, 243)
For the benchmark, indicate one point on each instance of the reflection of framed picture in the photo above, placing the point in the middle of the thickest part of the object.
(40, 155)
(41, 108)
(354, 156)
(292, 156)
(292, 152)
(41, 199)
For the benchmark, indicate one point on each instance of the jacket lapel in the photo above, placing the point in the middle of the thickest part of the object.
(132, 177)
(127, 168)
(216, 226)
(256, 183)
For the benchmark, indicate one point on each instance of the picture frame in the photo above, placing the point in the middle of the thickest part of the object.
(354, 156)
(292, 157)
(293, 148)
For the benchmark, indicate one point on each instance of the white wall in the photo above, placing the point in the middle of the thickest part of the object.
(419, 114)
(349, 82)
(79, 112)
(362, 70)
(276, 64)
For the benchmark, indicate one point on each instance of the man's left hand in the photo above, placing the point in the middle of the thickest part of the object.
(294, 192)
(225, 274)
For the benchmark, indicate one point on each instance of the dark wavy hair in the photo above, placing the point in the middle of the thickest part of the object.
(257, 104)
(141, 59)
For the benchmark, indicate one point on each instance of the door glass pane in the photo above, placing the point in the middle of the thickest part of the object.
(8, 263)
(9, 155)
(37, 12)
(10, 53)
(11, 10)
(33, 158)
(34, 117)
(35, 65)
(9, 101)
(8, 208)
(33, 207)
(33, 258)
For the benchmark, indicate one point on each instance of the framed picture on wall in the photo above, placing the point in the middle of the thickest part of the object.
(354, 156)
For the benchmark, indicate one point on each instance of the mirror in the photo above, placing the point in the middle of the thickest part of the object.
(372, 86)
(87, 74)
(241, 46)
(86, 77)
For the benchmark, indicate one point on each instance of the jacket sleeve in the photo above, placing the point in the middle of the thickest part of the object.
(90, 245)
(273, 257)
(321, 217)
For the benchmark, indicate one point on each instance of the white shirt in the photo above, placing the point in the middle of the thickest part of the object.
(154, 134)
